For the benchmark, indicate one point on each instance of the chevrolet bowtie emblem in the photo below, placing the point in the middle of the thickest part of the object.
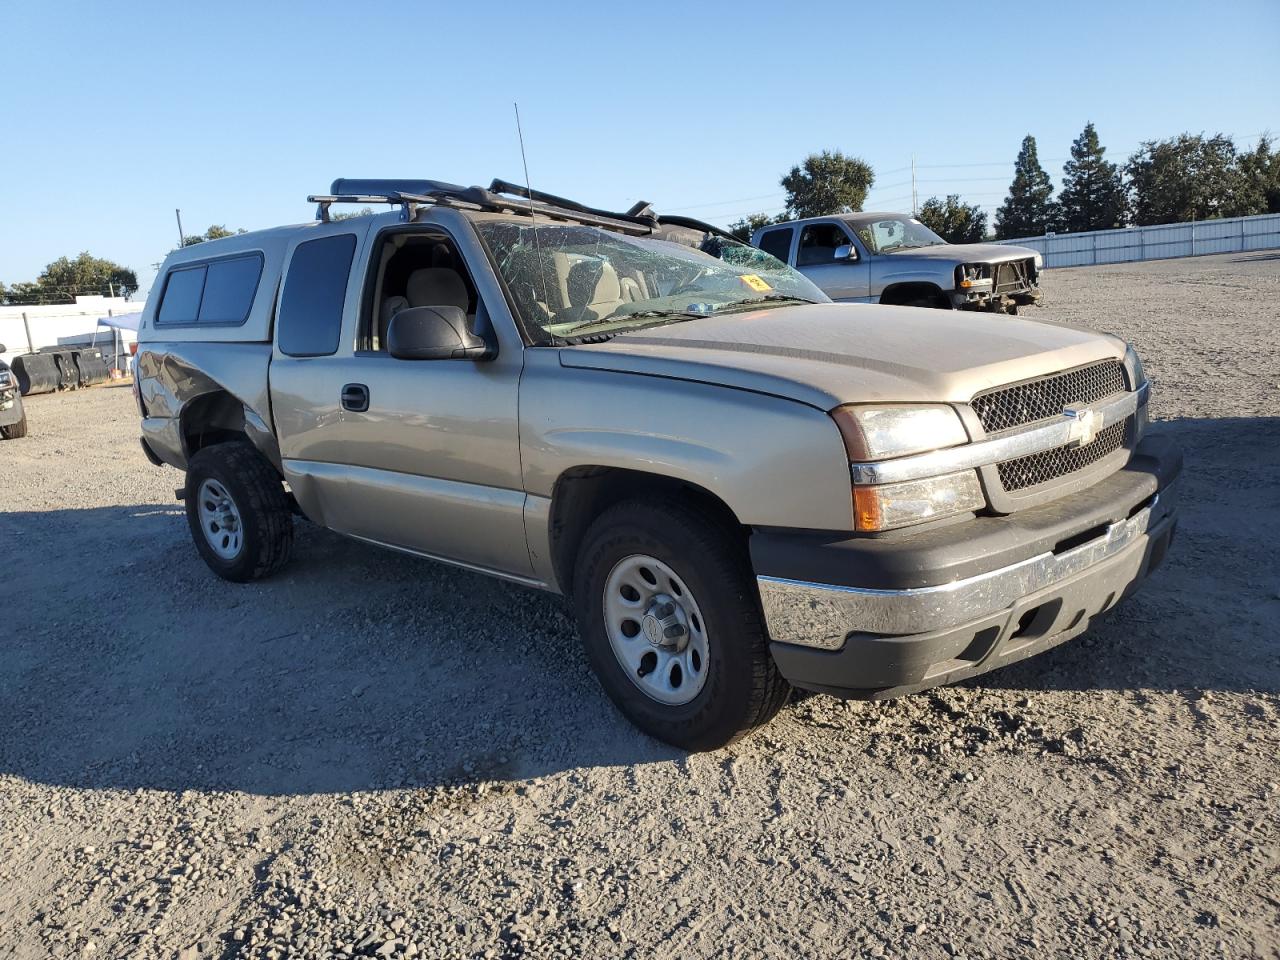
(1084, 426)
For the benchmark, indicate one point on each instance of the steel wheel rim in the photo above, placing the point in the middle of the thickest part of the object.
(220, 520)
(664, 652)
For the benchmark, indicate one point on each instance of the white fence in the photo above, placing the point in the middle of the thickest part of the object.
(1157, 243)
(51, 325)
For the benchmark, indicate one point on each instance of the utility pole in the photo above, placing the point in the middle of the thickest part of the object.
(915, 200)
(178, 213)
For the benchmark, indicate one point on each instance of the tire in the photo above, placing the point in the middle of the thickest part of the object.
(929, 303)
(15, 431)
(254, 537)
(738, 687)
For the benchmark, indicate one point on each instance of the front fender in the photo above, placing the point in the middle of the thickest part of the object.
(771, 460)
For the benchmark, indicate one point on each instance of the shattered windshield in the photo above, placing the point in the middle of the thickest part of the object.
(572, 279)
(887, 234)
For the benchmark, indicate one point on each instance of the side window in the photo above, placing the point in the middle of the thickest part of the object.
(417, 269)
(818, 244)
(220, 291)
(777, 243)
(181, 300)
(229, 288)
(310, 320)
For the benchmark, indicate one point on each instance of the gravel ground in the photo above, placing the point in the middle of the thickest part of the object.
(371, 755)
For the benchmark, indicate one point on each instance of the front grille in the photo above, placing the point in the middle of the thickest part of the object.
(1012, 276)
(1044, 399)
(1051, 464)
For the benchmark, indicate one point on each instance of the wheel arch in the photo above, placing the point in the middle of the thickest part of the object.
(907, 291)
(583, 493)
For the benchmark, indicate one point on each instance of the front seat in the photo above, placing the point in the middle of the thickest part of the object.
(427, 287)
(594, 291)
(437, 287)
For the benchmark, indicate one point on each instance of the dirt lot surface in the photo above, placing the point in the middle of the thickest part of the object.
(372, 755)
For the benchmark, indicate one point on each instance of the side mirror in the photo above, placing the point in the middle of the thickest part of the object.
(846, 251)
(434, 333)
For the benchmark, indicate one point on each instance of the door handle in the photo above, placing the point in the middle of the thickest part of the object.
(355, 397)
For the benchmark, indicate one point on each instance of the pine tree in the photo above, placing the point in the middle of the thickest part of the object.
(1029, 210)
(1092, 196)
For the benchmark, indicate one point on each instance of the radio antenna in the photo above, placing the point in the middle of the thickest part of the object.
(537, 246)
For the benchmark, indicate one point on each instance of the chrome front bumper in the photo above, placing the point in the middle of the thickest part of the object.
(822, 616)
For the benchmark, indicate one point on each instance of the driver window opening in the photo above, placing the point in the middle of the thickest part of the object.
(417, 270)
(819, 242)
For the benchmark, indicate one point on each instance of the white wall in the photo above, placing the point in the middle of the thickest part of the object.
(51, 324)
(1160, 242)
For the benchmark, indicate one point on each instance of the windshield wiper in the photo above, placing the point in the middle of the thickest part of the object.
(667, 316)
(767, 298)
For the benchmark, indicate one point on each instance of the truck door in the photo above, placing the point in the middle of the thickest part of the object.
(845, 278)
(422, 455)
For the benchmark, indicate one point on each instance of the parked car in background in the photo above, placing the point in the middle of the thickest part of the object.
(13, 417)
(893, 258)
(739, 485)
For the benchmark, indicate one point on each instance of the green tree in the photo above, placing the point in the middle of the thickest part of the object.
(953, 221)
(1260, 177)
(215, 232)
(826, 183)
(86, 275)
(362, 212)
(1092, 196)
(742, 229)
(1188, 177)
(27, 292)
(1029, 210)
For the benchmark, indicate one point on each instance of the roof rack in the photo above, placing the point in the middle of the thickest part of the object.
(409, 194)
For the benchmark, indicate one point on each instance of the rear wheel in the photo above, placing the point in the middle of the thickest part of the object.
(15, 431)
(238, 512)
(668, 614)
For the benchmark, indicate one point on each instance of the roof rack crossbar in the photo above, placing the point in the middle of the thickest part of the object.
(409, 194)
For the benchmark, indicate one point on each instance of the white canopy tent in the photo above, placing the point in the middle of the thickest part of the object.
(126, 321)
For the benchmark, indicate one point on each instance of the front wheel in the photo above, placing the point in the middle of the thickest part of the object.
(15, 431)
(238, 512)
(667, 610)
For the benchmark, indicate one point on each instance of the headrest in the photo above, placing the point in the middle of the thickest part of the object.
(593, 281)
(437, 287)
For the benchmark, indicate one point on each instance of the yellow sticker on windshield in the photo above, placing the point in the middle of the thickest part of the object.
(755, 283)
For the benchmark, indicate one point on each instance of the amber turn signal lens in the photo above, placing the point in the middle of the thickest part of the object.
(866, 509)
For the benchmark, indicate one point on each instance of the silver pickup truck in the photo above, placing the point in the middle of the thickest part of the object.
(892, 258)
(739, 485)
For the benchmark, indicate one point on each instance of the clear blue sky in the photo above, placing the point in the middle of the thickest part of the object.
(115, 114)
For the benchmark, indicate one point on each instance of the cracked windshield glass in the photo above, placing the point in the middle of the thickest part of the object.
(571, 280)
(887, 234)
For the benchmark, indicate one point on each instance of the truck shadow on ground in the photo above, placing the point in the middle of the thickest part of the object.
(128, 665)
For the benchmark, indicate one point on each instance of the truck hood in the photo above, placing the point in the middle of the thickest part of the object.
(828, 354)
(965, 253)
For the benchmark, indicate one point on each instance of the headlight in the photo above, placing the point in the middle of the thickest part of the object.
(973, 275)
(893, 505)
(883, 432)
(1133, 367)
(1137, 377)
(1039, 261)
(877, 433)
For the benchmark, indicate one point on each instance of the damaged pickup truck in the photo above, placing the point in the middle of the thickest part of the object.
(892, 258)
(739, 485)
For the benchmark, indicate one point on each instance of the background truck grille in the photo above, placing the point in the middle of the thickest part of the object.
(1044, 399)
(1051, 464)
(1012, 276)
